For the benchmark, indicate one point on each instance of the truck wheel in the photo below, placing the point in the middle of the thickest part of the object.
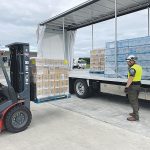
(18, 119)
(81, 88)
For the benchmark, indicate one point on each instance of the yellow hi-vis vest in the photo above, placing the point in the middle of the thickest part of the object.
(138, 74)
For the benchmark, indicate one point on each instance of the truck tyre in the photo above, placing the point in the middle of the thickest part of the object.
(17, 119)
(81, 89)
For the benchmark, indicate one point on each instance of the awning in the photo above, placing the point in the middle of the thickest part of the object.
(94, 11)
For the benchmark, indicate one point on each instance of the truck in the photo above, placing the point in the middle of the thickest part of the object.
(84, 84)
(79, 63)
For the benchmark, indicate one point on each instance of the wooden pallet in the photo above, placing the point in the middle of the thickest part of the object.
(51, 98)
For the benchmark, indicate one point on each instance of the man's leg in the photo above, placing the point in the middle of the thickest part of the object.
(133, 98)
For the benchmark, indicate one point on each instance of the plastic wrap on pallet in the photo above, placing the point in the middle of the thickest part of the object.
(122, 44)
(139, 41)
(123, 50)
(109, 70)
(109, 51)
(139, 47)
(112, 64)
(122, 57)
(50, 79)
(122, 64)
(109, 64)
(146, 73)
(143, 57)
(123, 70)
(144, 63)
(109, 58)
(110, 45)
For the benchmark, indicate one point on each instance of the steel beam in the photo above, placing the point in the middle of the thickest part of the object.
(116, 49)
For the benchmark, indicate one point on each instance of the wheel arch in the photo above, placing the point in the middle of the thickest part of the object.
(4, 113)
(25, 117)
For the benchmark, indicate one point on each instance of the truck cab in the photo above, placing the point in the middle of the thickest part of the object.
(79, 63)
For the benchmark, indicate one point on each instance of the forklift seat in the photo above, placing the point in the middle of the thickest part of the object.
(4, 94)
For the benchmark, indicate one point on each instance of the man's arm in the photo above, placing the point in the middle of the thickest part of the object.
(130, 79)
(132, 73)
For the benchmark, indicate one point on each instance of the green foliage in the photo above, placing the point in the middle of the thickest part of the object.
(86, 59)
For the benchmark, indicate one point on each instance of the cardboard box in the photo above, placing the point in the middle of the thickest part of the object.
(39, 93)
(45, 84)
(36, 61)
(50, 77)
(97, 60)
(45, 77)
(39, 84)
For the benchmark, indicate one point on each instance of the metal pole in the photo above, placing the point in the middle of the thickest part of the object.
(148, 22)
(64, 37)
(116, 52)
(92, 26)
(92, 37)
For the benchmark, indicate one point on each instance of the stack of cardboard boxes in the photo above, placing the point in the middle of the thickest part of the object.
(49, 77)
(97, 60)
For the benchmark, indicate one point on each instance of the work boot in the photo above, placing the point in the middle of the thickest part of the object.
(132, 119)
(132, 114)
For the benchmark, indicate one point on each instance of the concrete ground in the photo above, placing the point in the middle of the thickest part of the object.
(97, 123)
(110, 109)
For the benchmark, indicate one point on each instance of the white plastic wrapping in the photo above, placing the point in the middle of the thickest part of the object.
(69, 45)
(52, 45)
(40, 36)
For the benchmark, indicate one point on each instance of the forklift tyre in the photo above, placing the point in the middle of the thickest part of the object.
(17, 119)
(81, 89)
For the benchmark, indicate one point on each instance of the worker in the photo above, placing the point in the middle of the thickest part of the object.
(133, 85)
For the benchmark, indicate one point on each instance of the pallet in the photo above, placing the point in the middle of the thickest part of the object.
(51, 98)
(97, 72)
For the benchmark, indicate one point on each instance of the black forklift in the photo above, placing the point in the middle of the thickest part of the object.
(15, 114)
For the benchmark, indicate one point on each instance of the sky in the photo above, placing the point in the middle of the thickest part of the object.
(19, 20)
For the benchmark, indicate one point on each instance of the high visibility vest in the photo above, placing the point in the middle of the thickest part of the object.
(138, 74)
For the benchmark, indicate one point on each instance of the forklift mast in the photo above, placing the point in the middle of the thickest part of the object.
(19, 70)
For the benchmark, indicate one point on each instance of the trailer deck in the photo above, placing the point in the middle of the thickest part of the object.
(84, 74)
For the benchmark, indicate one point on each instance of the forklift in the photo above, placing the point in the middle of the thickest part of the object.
(15, 114)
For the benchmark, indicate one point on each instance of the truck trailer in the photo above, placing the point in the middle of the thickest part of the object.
(64, 27)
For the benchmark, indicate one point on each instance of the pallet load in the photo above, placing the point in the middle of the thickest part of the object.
(50, 79)
(97, 61)
(140, 47)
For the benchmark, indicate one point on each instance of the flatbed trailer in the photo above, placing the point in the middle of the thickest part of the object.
(85, 84)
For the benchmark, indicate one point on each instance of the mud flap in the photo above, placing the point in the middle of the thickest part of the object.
(1, 125)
